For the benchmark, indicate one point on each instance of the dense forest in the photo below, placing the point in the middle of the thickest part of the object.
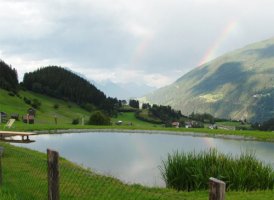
(63, 84)
(8, 77)
(156, 113)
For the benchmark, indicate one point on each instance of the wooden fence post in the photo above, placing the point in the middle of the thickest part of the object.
(53, 175)
(216, 189)
(1, 175)
(1, 169)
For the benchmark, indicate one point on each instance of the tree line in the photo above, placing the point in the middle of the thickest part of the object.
(156, 113)
(60, 83)
(8, 77)
(63, 84)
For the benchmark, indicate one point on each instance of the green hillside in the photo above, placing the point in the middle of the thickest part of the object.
(237, 85)
(46, 113)
(65, 113)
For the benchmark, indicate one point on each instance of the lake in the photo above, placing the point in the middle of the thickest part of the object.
(136, 157)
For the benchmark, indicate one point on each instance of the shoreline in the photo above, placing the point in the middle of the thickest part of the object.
(181, 133)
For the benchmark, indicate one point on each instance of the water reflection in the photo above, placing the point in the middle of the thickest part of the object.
(134, 157)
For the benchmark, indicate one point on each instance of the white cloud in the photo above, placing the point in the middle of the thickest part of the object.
(125, 40)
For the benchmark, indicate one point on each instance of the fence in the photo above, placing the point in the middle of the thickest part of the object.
(32, 175)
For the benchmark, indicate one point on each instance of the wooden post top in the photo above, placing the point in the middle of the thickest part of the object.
(216, 180)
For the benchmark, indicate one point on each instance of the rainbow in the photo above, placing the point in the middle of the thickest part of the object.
(211, 52)
(140, 50)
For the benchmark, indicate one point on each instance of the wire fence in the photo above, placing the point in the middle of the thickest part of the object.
(26, 174)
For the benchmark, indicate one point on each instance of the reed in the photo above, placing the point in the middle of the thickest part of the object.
(191, 171)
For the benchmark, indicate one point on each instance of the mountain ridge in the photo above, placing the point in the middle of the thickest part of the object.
(237, 85)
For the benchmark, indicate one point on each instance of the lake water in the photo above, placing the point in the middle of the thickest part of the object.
(136, 157)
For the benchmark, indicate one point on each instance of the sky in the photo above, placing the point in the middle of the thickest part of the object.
(152, 42)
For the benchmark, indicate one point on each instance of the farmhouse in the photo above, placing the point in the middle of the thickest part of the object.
(3, 117)
(31, 111)
(175, 124)
(28, 119)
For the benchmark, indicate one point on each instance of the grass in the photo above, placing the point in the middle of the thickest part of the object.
(25, 176)
(229, 123)
(24, 173)
(191, 171)
(128, 117)
(67, 111)
(45, 115)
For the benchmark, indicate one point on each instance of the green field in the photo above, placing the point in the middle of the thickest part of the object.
(67, 111)
(129, 117)
(25, 170)
(45, 115)
(24, 177)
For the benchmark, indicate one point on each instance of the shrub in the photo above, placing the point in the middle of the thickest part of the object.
(11, 94)
(88, 107)
(191, 171)
(36, 103)
(98, 118)
(27, 101)
(56, 106)
(75, 121)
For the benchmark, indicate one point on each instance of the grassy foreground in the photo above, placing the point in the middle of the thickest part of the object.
(24, 173)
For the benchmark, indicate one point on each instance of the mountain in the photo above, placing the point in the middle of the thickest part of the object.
(60, 83)
(64, 84)
(123, 90)
(237, 85)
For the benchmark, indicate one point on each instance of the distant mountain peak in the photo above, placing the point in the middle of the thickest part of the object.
(239, 84)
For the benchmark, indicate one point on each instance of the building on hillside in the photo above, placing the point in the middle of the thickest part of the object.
(3, 117)
(212, 126)
(193, 124)
(28, 119)
(188, 124)
(119, 122)
(31, 111)
(175, 124)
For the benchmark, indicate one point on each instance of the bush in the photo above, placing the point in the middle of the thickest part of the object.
(98, 118)
(56, 106)
(191, 171)
(36, 103)
(88, 107)
(75, 121)
(151, 119)
(11, 94)
(27, 101)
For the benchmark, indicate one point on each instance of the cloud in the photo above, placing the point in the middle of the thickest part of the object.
(128, 76)
(127, 41)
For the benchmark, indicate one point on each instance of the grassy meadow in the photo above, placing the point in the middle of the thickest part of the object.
(24, 177)
(24, 170)
(67, 111)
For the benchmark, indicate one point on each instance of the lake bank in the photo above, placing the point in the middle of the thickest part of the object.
(135, 157)
(19, 162)
(158, 131)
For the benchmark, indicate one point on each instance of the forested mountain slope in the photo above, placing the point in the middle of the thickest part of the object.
(238, 85)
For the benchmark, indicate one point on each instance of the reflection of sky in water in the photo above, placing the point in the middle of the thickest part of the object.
(136, 157)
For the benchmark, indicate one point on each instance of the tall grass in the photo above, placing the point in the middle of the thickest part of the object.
(191, 171)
